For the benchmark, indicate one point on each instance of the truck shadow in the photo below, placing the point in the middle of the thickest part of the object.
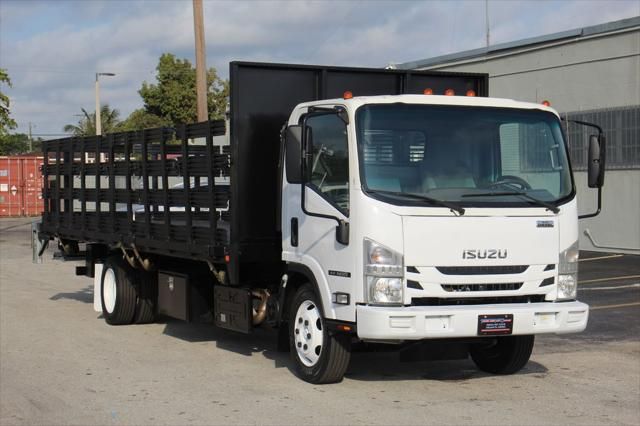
(375, 366)
(260, 341)
(366, 365)
(84, 295)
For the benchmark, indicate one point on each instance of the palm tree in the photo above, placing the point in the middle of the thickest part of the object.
(109, 118)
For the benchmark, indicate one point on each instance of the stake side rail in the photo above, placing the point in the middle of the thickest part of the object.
(164, 190)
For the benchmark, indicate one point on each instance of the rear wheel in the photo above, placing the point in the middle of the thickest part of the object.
(118, 292)
(506, 356)
(319, 356)
(147, 298)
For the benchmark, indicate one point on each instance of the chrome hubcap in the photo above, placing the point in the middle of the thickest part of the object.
(308, 335)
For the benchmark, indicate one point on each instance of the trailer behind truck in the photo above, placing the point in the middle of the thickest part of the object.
(336, 205)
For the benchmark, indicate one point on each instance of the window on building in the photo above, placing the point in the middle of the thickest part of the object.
(621, 127)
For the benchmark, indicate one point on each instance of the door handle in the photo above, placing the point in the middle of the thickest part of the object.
(294, 232)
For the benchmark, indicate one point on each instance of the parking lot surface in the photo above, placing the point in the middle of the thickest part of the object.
(60, 363)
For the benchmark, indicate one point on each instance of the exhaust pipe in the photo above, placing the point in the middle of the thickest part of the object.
(260, 313)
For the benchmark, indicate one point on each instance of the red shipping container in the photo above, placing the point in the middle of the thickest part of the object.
(21, 186)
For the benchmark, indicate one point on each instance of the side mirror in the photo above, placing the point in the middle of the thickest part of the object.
(293, 153)
(596, 161)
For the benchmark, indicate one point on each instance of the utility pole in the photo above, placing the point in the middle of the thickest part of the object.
(486, 20)
(98, 119)
(30, 139)
(201, 75)
(97, 116)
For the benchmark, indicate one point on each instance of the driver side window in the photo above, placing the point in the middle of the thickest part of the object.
(328, 166)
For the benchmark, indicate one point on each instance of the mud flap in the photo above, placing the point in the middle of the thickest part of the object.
(232, 308)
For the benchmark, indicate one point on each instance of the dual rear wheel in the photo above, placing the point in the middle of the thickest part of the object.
(128, 295)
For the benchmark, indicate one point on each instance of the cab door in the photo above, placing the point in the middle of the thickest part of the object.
(309, 232)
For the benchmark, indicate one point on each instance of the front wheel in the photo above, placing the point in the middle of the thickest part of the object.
(319, 356)
(507, 355)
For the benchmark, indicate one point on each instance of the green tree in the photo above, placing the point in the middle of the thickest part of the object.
(173, 97)
(140, 120)
(6, 122)
(18, 143)
(109, 118)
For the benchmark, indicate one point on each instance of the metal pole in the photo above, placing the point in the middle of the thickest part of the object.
(201, 76)
(98, 121)
(486, 19)
(30, 139)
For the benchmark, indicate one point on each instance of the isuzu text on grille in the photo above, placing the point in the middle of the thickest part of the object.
(484, 254)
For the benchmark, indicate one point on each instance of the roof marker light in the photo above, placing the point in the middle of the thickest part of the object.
(471, 92)
(546, 103)
(347, 95)
(428, 91)
(449, 92)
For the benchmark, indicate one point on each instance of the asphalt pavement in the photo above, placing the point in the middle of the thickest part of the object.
(61, 364)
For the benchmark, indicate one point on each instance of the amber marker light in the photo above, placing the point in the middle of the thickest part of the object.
(546, 103)
(471, 92)
(428, 91)
(449, 92)
(347, 95)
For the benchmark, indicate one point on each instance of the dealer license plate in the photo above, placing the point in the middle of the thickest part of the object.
(495, 324)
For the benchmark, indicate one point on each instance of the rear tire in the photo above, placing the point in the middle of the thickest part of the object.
(507, 356)
(118, 292)
(319, 357)
(147, 297)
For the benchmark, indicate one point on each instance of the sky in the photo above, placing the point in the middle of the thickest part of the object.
(52, 49)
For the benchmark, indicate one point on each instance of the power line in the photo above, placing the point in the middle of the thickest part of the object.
(63, 71)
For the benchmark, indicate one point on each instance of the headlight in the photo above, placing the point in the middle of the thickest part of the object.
(383, 270)
(568, 273)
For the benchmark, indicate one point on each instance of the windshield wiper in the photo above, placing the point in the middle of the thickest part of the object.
(451, 206)
(549, 206)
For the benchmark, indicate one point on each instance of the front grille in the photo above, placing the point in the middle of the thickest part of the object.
(446, 301)
(482, 270)
(481, 287)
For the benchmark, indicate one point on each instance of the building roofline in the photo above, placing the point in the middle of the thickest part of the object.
(577, 33)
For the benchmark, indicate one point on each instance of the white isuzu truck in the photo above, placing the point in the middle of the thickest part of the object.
(336, 205)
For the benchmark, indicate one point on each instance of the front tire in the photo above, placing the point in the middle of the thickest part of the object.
(507, 356)
(319, 356)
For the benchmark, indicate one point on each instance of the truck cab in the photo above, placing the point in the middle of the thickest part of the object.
(461, 218)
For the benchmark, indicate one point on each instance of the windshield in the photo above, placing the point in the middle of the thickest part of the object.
(472, 156)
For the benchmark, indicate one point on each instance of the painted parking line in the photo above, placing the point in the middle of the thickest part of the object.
(611, 288)
(599, 280)
(613, 256)
(623, 305)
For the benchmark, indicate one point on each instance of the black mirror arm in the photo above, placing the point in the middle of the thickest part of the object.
(600, 135)
(342, 230)
(584, 123)
(597, 212)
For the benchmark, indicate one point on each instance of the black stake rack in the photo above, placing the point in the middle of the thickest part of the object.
(165, 190)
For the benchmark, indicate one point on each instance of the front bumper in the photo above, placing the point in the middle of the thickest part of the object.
(433, 322)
